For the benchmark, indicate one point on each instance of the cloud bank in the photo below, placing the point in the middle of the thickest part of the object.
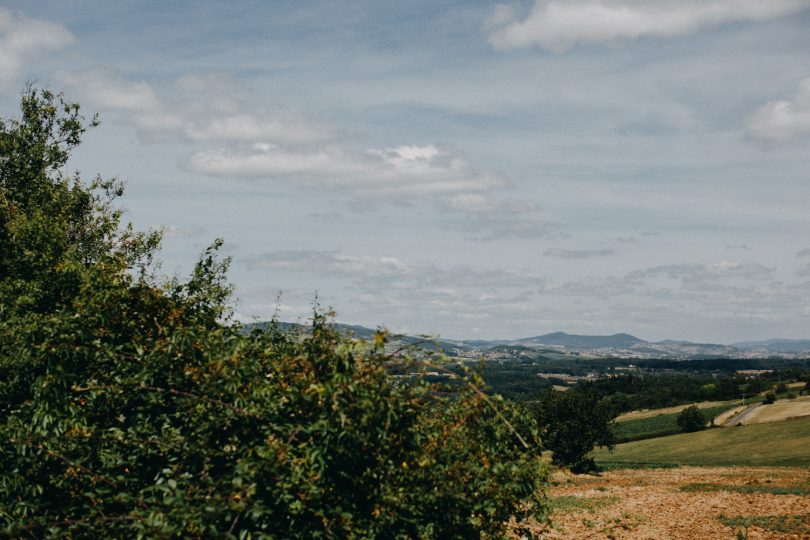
(283, 145)
(400, 171)
(558, 25)
(203, 110)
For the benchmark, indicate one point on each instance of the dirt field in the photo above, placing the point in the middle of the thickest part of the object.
(683, 503)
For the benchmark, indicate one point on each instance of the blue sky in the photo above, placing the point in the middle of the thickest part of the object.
(471, 169)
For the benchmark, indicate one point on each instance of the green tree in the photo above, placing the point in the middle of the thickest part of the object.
(572, 423)
(691, 419)
(130, 406)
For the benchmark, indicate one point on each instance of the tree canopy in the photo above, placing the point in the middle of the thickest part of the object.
(131, 406)
(572, 424)
(691, 419)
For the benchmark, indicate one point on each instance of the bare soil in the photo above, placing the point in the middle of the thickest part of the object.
(649, 503)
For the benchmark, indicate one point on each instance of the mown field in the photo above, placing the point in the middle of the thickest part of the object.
(780, 410)
(685, 503)
(773, 444)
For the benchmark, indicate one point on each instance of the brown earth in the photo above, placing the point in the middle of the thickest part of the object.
(649, 504)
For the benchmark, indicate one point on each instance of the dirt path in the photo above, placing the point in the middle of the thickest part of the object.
(650, 504)
(723, 418)
(740, 418)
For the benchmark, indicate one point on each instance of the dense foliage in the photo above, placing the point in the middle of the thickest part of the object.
(653, 391)
(515, 380)
(130, 407)
(638, 384)
(572, 424)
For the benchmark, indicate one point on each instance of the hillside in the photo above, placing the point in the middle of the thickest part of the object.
(776, 345)
(771, 444)
(573, 341)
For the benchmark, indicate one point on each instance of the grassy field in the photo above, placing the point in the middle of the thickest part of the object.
(791, 524)
(659, 425)
(774, 444)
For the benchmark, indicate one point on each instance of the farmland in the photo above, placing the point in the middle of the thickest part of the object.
(781, 410)
(770, 444)
(634, 428)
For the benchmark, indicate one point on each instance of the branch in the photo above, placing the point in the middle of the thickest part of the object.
(234, 408)
(486, 399)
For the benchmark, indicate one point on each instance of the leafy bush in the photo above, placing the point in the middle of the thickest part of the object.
(691, 419)
(769, 398)
(131, 407)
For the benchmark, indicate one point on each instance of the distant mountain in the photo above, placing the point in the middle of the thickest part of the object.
(579, 342)
(621, 345)
(775, 345)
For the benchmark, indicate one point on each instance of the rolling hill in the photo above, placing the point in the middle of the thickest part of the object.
(619, 345)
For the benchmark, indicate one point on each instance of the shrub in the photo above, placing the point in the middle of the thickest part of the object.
(691, 419)
(769, 398)
(130, 407)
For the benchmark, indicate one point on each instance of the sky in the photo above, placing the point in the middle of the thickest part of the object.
(469, 169)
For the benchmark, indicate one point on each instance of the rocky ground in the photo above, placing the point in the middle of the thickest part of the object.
(682, 503)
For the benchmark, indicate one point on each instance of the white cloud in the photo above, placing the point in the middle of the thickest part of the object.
(708, 284)
(781, 120)
(477, 203)
(488, 218)
(107, 90)
(561, 24)
(267, 125)
(404, 171)
(200, 109)
(174, 231)
(577, 253)
(384, 272)
(332, 263)
(279, 143)
(22, 38)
